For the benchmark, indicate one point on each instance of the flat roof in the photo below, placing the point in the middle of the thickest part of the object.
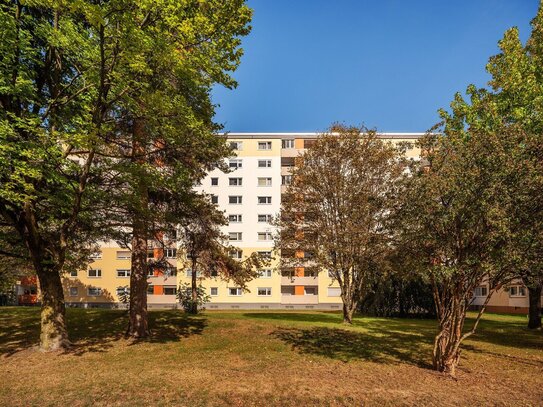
(315, 135)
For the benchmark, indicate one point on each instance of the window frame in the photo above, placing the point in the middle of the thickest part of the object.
(267, 145)
(238, 290)
(239, 199)
(98, 273)
(267, 162)
(267, 200)
(127, 273)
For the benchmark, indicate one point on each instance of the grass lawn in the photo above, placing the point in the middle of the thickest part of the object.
(264, 358)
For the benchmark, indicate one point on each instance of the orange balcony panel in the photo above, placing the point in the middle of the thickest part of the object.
(299, 143)
(158, 253)
(299, 271)
(158, 289)
(31, 280)
(299, 254)
(299, 290)
(158, 272)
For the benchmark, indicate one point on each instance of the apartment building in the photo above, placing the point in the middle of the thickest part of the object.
(250, 196)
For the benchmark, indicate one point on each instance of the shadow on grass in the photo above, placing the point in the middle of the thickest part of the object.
(374, 345)
(93, 330)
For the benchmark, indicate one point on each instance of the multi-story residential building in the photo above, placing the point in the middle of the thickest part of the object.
(250, 195)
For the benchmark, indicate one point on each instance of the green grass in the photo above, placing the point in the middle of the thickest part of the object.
(264, 358)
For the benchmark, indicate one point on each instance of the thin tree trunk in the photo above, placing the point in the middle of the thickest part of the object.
(194, 305)
(348, 311)
(534, 312)
(138, 319)
(54, 335)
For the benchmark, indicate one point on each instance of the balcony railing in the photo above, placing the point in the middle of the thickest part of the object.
(299, 299)
(299, 280)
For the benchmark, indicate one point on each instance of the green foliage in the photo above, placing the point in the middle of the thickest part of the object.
(184, 295)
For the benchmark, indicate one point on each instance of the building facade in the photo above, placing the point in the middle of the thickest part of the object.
(250, 195)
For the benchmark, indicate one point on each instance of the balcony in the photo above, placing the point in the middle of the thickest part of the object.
(299, 280)
(299, 299)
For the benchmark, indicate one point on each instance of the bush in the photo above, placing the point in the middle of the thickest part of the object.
(184, 295)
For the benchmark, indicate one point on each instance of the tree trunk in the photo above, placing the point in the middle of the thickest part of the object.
(54, 335)
(194, 304)
(534, 313)
(348, 311)
(138, 322)
(446, 353)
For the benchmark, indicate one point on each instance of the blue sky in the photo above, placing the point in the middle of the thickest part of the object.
(389, 64)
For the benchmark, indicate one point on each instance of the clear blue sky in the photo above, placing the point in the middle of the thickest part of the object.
(389, 64)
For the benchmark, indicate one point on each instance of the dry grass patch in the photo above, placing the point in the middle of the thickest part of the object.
(264, 358)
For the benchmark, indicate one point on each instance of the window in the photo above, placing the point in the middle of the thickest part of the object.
(96, 255)
(234, 218)
(236, 254)
(214, 199)
(265, 273)
(234, 236)
(517, 291)
(265, 236)
(214, 291)
(123, 273)
(123, 291)
(94, 291)
(214, 182)
(264, 182)
(235, 164)
(286, 179)
(264, 200)
(235, 182)
(170, 290)
(150, 254)
(170, 272)
(334, 292)
(94, 273)
(170, 253)
(73, 273)
(309, 143)
(151, 273)
(310, 290)
(73, 292)
(265, 218)
(188, 273)
(236, 145)
(235, 199)
(287, 162)
(123, 255)
(234, 291)
(481, 291)
(267, 254)
(287, 143)
(264, 292)
(264, 163)
(264, 145)
(150, 289)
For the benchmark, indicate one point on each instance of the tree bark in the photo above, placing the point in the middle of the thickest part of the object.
(348, 311)
(446, 354)
(534, 312)
(138, 319)
(54, 335)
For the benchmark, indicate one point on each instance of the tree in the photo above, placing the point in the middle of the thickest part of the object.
(164, 139)
(209, 254)
(333, 214)
(456, 226)
(56, 89)
(514, 102)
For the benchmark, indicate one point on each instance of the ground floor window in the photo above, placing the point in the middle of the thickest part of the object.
(170, 290)
(74, 292)
(481, 291)
(334, 292)
(150, 289)
(94, 291)
(214, 291)
(264, 292)
(234, 291)
(517, 291)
